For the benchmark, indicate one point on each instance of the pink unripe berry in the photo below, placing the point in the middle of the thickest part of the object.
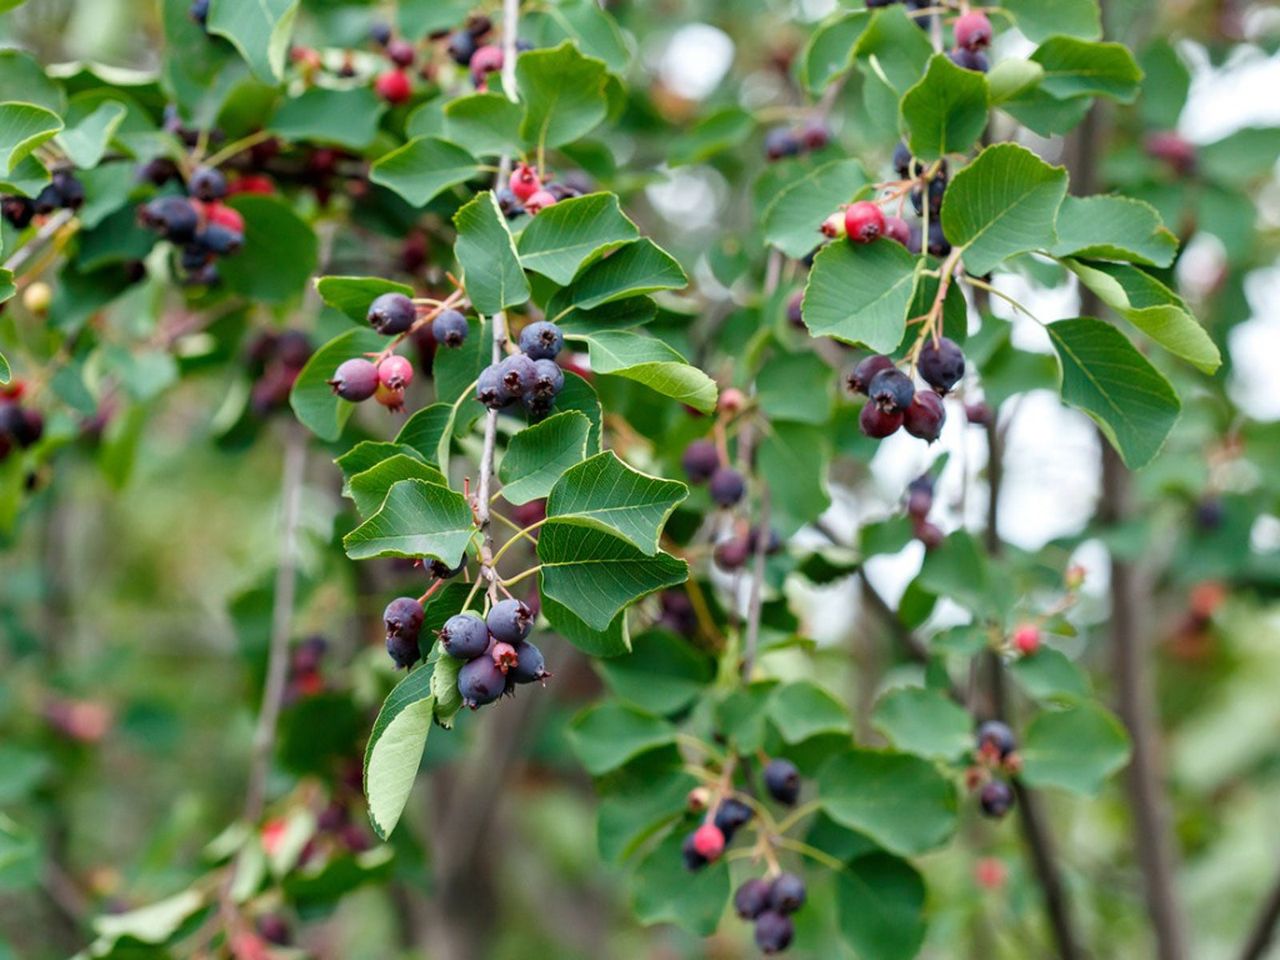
(731, 400)
(1026, 639)
(973, 30)
(504, 656)
(863, 221)
(394, 86)
(485, 61)
(524, 182)
(708, 841)
(539, 200)
(396, 372)
(895, 228)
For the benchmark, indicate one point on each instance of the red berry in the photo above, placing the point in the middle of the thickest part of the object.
(973, 30)
(895, 228)
(1026, 639)
(1173, 150)
(394, 86)
(990, 873)
(863, 221)
(224, 216)
(395, 372)
(929, 534)
(708, 841)
(925, 416)
(524, 182)
(877, 423)
(538, 200)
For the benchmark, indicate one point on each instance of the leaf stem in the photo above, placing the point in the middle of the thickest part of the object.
(813, 853)
(521, 576)
(238, 146)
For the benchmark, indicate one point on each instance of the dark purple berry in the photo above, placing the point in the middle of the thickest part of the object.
(891, 391)
(355, 380)
(403, 617)
(208, 184)
(294, 349)
(996, 799)
(693, 860)
(480, 682)
(920, 496)
(403, 651)
(727, 486)
(996, 738)
(974, 60)
(199, 12)
(530, 666)
(220, 241)
(795, 309)
(787, 894)
(772, 545)
(878, 424)
(391, 313)
(450, 328)
(70, 190)
(752, 898)
(941, 364)
(1210, 513)
(700, 460)
(731, 815)
(518, 374)
(462, 45)
(549, 379)
(490, 390)
(510, 621)
(782, 780)
(174, 218)
(781, 142)
(440, 572)
(774, 932)
(937, 190)
(902, 160)
(731, 554)
(18, 211)
(380, 32)
(925, 416)
(859, 379)
(509, 203)
(541, 340)
(464, 636)
(537, 405)
(401, 53)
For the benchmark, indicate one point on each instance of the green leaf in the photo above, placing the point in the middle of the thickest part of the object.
(312, 398)
(486, 124)
(369, 489)
(1039, 20)
(796, 387)
(563, 93)
(537, 456)
(724, 129)
(444, 688)
(792, 220)
(639, 267)
(650, 362)
(1049, 675)
(418, 519)
(1151, 307)
(23, 79)
(894, 48)
(946, 111)
(23, 127)
(1105, 376)
(1113, 228)
(345, 118)
(793, 460)
(579, 395)
(829, 52)
(628, 816)
(424, 168)
(369, 453)
(259, 29)
(663, 675)
(880, 903)
(86, 142)
(924, 722)
(901, 802)
(1011, 77)
(663, 891)
(605, 493)
(5, 373)
(1241, 157)
(596, 574)
(424, 430)
(279, 255)
(803, 709)
(354, 295)
(154, 923)
(610, 734)
(395, 748)
(1080, 68)
(1004, 202)
(614, 640)
(581, 230)
(860, 293)
(491, 268)
(1075, 749)
(1046, 115)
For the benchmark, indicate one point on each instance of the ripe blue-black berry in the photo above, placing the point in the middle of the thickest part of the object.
(752, 898)
(787, 894)
(996, 738)
(541, 340)
(996, 799)
(208, 184)
(219, 241)
(859, 379)
(537, 405)
(355, 380)
(891, 391)
(70, 190)
(782, 780)
(1210, 513)
(925, 416)
(774, 932)
(450, 328)
(199, 11)
(403, 617)
(530, 666)
(174, 218)
(490, 390)
(510, 621)
(731, 815)
(464, 636)
(18, 211)
(795, 309)
(693, 860)
(391, 313)
(941, 365)
(700, 460)
(194, 256)
(24, 425)
(461, 46)
(518, 374)
(920, 496)
(548, 379)
(903, 162)
(509, 203)
(727, 486)
(480, 682)
(403, 651)
(772, 545)
(974, 60)
(781, 142)
(937, 190)
(380, 32)
(440, 572)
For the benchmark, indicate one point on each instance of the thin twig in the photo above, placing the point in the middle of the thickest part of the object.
(47, 230)
(1263, 930)
(755, 604)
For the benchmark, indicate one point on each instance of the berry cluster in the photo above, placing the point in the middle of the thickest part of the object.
(973, 35)
(526, 192)
(995, 753)
(20, 426)
(703, 464)
(790, 142)
(394, 84)
(894, 401)
(768, 901)
(200, 223)
(497, 652)
(467, 48)
(919, 503)
(276, 359)
(531, 377)
(63, 191)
